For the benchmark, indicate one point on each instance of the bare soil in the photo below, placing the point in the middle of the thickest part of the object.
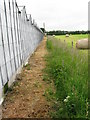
(26, 98)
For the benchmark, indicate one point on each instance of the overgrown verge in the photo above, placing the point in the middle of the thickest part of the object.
(69, 70)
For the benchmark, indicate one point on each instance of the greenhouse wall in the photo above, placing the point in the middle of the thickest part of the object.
(19, 37)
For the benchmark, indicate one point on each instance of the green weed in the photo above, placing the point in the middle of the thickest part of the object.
(69, 69)
(27, 66)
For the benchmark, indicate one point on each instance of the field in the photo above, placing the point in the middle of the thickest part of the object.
(68, 68)
(71, 38)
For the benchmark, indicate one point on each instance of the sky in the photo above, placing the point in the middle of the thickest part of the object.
(58, 14)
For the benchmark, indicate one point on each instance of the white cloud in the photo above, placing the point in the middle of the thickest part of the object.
(58, 14)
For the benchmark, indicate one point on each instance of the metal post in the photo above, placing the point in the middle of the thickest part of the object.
(72, 44)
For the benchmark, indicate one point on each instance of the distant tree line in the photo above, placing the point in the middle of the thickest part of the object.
(59, 32)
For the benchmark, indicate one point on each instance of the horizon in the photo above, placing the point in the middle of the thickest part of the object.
(68, 30)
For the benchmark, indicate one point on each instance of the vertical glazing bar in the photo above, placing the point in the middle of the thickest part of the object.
(18, 30)
(3, 48)
(8, 36)
(15, 31)
(20, 40)
(12, 36)
(1, 76)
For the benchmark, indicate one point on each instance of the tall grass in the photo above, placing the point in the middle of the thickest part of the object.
(69, 70)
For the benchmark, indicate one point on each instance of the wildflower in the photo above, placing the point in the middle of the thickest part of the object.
(67, 97)
(26, 63)
(87, 113)
(65, 100)
(87, 103)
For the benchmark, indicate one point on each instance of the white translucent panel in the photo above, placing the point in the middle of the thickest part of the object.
(3, 18)
(4, 74)
(16, 59)
(4, 30)
(19, 60)
(0, 82)
(12, 20)
(1, 88)
(21, 49)
(13, 65)
(7, 53)
(13, 32)
(2, 4)
(10, 1)
(9, 69)
(15, 21)
(11, 51)
(9, 34)
(15, 49)
(8, 20)
(20, 46)
(16, 36)
(7, 6)
(12, 17)
(0, 37)
(2, 61)
(14, 6)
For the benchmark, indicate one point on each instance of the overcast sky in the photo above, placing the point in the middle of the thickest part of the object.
(58, 14)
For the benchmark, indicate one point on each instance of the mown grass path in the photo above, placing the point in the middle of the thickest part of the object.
(26, 99)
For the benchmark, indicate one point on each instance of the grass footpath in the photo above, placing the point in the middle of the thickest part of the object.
(69, 70)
